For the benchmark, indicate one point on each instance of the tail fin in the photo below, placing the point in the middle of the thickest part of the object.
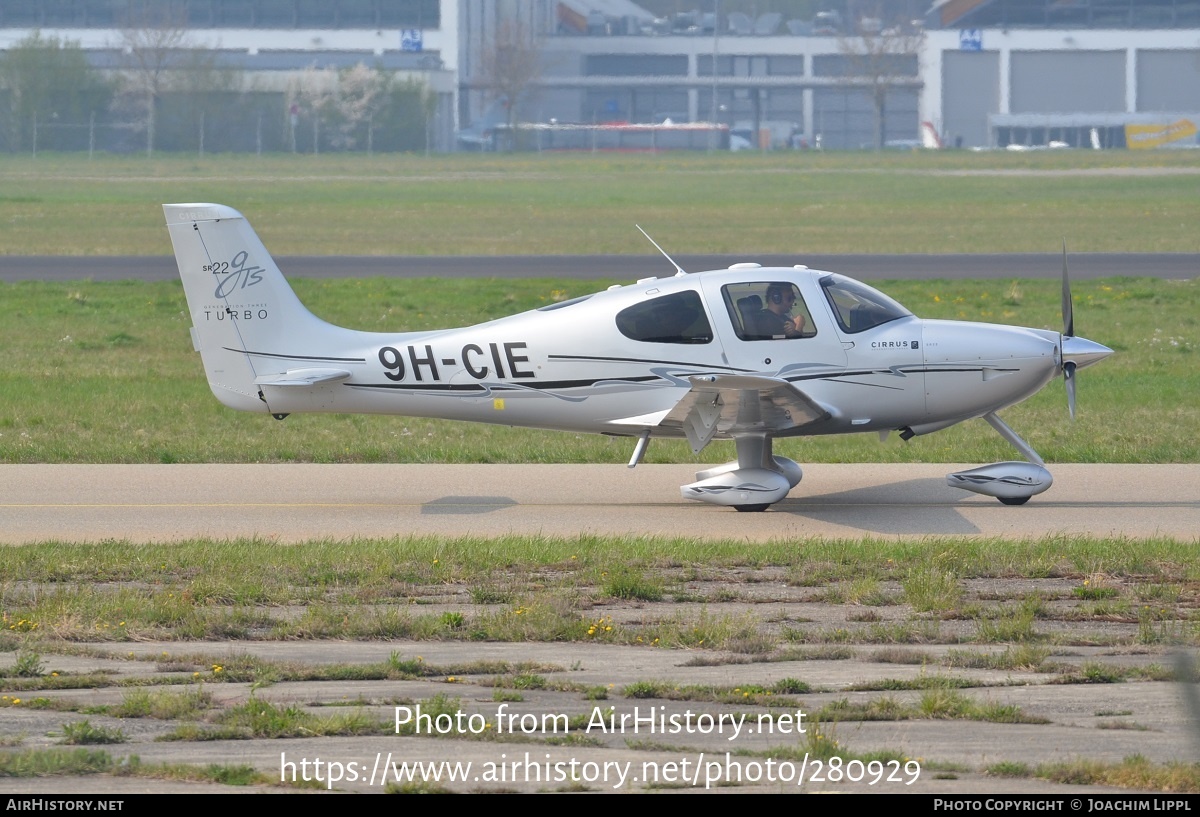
(929, 137)
(247, 323)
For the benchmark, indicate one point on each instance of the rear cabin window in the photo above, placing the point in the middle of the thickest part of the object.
(675, 318)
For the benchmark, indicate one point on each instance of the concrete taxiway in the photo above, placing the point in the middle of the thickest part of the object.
(288, 503)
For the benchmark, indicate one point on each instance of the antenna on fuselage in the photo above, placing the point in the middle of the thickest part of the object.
(678, 269)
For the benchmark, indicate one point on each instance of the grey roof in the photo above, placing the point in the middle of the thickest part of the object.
(1065, 14)
(267, 60)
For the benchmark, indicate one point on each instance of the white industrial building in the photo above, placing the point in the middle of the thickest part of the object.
(985, 73)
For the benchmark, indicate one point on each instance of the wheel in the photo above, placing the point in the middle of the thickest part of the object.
(752, 508)
(1013, 500)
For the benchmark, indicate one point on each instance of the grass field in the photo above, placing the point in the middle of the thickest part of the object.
(943, 202)
(104, 372)
(234, 647)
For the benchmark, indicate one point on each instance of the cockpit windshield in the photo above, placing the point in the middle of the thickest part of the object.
(859, 307)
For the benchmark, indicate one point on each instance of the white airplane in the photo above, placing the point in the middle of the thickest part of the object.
(747, 353)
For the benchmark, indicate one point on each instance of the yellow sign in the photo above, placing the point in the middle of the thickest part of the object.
(1144, 137)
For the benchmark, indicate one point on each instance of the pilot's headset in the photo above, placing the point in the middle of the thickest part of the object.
(775, 293)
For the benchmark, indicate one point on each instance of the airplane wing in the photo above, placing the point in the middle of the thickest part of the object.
(737, 404)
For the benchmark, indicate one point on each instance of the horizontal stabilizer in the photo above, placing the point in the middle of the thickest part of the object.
(303, 377)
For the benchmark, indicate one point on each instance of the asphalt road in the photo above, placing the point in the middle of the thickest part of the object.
(289, 503)
(590, 267)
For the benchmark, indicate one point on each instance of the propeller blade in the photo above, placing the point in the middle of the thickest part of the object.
(1068, 310)
(1069, 380)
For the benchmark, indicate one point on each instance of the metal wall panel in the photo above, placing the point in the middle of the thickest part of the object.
(970, 91)
(1168, 81)
(1068, 82)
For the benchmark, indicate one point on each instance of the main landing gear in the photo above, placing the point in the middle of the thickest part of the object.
(753, 482)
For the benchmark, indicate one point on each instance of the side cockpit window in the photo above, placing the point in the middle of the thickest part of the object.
(768, 310)
(675, 318)
(859, 307)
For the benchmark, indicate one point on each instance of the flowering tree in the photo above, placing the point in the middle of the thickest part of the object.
(345, 101)
(312, 94)
(360, 92)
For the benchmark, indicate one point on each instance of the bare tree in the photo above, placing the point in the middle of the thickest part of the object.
(882, 58)
(510, 66)
(153, 36)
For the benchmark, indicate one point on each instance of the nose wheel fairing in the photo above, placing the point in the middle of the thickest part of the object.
(1013, 482)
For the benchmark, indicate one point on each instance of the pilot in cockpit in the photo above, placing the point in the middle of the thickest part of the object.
(776, 320)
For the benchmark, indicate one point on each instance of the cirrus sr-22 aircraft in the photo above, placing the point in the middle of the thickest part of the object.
(748, 354)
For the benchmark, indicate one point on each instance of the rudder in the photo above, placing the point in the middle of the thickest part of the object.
(246, 320)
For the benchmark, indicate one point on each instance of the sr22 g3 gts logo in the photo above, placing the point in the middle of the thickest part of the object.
(236, 275)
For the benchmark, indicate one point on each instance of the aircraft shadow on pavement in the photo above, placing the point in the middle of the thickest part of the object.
(905, 507)
(460, 505)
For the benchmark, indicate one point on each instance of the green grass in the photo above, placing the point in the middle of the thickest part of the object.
(115, 591)
(73, 762)
(44, 762)
(1134, 772)
(84, 733)
(104, 372)
(952, 201)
